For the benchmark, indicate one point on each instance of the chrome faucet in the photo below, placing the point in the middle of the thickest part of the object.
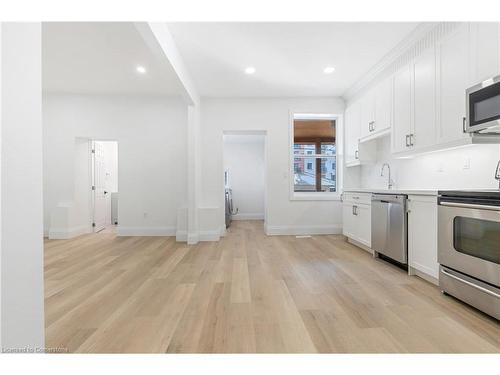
(389, 180)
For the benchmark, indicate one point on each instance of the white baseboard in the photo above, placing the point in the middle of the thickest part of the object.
(210, 235)
(424, 272)
(67, 233)
(295, 230)
(254, 216)
(146, 231)
(194, 238)
(181, 236)
(360, 245)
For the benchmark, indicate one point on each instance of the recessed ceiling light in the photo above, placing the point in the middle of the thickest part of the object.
(140, 69)
(250, 70)
(329, 70)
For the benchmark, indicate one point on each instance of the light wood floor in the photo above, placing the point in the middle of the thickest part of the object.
(247, 293)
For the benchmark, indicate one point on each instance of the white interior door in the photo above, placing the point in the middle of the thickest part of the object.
(99, 186)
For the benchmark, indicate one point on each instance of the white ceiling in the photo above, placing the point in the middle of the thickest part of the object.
(289, 57)
(101, 57)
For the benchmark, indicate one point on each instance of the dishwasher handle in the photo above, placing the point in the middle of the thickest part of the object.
(389, 198)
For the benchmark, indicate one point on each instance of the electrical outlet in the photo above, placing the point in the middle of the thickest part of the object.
(467, 163)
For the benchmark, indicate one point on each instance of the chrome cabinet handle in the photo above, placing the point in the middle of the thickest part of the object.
(464, 124)
(411, 139)
(407, 142)
(487, 291)
(356, 154)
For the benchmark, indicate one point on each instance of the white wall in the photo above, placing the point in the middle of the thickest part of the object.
(439, 170)
(244, 159)
(273, 116)
(151, 134)
(22, 311)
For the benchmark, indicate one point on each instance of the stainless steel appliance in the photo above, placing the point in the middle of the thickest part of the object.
(390, 226)
(228, 193)
(469, 247)
(483, 108)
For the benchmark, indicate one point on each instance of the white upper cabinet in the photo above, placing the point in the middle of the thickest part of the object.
(352, 133)
(453, 79)
(376, 109)
(423, 103)
(402, 126)
(383, 105)
(424, 124)
(367, 113)
(484, 51)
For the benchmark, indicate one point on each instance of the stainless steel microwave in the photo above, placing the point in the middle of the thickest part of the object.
(483, 107)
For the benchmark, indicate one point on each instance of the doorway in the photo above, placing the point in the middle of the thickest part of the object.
(244, 166)
(104, 180)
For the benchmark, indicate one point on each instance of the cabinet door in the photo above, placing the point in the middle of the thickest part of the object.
(424, 126)
(453, 73)
(352, 121)
(402, 109)
(367, 113)
(363, 221)
(422, 235)
(485, 52)
(348, 227)
(383, 105)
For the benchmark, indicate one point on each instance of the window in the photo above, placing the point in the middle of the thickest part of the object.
(314, 155)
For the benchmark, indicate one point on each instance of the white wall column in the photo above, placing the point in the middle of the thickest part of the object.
(21, 234)
(159, 39)
(193, 170)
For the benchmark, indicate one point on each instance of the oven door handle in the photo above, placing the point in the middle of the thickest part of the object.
(468, 205)
(487, 291)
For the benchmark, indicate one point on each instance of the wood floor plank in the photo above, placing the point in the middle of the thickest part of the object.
(247, 293)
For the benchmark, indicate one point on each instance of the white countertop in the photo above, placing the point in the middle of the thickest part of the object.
(392, 191)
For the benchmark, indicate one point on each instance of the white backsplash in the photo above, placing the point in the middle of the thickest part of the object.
(466, 167)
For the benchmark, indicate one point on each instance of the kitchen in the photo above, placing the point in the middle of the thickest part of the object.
(432, 115)
(285, 187)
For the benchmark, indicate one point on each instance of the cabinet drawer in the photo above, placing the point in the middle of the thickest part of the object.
(359, 198)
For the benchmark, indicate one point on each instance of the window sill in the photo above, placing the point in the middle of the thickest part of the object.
(315, 196)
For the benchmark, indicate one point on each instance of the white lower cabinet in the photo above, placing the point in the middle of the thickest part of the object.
(422, 235)
(357, 219)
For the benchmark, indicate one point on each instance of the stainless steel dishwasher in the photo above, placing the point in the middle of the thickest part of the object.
(390, 226)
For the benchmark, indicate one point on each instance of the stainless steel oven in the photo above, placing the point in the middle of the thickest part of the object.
(483, 107)
(469, 247)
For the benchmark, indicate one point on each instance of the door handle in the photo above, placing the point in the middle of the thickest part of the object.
(487, 291)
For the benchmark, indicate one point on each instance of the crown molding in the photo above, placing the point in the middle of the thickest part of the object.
(390, 58)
